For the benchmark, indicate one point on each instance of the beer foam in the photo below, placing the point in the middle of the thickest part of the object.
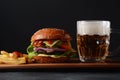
(93, 27)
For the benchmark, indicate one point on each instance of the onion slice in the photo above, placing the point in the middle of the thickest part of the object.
(48, 50)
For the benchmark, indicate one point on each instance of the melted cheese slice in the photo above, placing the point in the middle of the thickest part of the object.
(53, 56)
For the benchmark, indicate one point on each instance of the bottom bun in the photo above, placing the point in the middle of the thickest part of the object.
(41, 59)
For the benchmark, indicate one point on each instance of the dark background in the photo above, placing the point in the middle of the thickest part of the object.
(19, 19)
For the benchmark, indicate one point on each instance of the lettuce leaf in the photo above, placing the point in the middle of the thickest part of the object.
(30, 48)
(31, 52)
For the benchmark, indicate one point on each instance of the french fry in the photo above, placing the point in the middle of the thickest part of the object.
(5, 53)
(10, 58)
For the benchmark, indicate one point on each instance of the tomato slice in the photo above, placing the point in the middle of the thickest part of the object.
(64, 46)
(17, 54)
(50, 41)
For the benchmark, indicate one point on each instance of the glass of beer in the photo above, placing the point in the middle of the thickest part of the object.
(93, 39)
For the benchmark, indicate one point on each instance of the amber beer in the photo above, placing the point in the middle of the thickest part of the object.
(93, 39)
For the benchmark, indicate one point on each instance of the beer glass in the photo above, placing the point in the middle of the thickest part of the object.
(93, 39)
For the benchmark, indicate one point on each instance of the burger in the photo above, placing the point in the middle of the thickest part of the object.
(50, 45)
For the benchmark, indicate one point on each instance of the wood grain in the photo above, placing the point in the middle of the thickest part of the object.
(62, 65)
